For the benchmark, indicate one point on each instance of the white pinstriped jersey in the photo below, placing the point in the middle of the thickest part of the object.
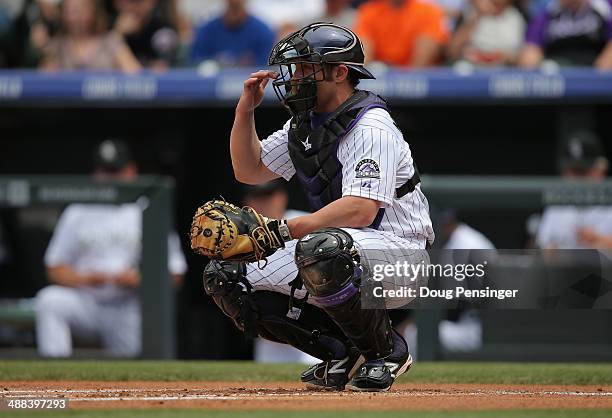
(375, 162)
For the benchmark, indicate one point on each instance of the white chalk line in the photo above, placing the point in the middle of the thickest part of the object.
(95, 390)
(266, 395)
(160, 398)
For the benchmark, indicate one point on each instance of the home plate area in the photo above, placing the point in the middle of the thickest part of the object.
(294, 396)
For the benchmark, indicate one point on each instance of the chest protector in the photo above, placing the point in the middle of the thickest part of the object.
(314, 151)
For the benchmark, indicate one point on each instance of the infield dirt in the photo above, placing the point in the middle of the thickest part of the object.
(294, 396)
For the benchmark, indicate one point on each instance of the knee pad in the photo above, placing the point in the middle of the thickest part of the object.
(221, 277)
(223, 281)
(328, 265)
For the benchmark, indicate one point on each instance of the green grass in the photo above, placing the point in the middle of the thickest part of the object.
(422, 372)
(565, 413)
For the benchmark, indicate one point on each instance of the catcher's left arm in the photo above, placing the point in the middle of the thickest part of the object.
(223, 231)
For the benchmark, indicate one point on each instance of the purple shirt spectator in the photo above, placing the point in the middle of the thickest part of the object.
(572, 38)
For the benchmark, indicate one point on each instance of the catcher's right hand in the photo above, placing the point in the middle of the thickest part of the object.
(223, 231)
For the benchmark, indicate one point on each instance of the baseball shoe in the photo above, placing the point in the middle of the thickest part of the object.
(379, 375)
(333, 374)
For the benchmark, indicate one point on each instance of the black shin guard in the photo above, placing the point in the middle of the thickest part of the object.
(309, 328)
(368, 329)
(266, 314)
(330, 271)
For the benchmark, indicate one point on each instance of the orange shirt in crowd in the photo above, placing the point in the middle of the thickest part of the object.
(391, 32)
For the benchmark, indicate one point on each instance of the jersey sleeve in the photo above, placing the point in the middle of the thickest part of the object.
(176, 259)
(63, 247)
(369, 164)
(550, 235)
(275, 153)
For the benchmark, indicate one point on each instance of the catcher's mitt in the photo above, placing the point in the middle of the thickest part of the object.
(223, 231)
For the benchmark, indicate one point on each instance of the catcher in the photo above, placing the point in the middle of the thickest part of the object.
(299, 281)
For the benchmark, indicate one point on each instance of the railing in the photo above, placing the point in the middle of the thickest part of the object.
(178, 87)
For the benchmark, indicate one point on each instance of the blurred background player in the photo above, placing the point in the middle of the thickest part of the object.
(457, 235)
(566, 227)
(461, 330)
(271, 200)
(92, 264)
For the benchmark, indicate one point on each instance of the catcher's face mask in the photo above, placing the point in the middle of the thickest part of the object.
(305, 55)
(300, 71)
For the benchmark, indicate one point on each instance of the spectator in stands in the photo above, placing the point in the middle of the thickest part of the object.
(568, 227)
(198, 11)
(453, 10)
(45, 22)
(403, 33)
(235, 38)
(8, 14)
(92, 262)
(184, 27)
(532, 8)
(147, 29)
(284, 16)
(16, 19)
(491, 34)
(26, 26)
(570, 33)
(339, 12)
(83, 42)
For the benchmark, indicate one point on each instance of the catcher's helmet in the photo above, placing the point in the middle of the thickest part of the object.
(315, 44)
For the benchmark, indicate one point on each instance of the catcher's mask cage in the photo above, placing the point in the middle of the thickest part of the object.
(303, 56)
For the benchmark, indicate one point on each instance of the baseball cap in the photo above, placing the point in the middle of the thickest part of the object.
(111, 155)
(581, 150)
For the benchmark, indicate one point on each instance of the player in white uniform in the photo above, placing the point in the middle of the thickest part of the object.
(462, 328)
(571, 227)
(363, 187)
(92, 262)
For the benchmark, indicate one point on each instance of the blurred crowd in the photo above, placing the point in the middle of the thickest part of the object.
(129, 35)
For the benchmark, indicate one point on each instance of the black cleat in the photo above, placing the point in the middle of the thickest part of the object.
(333, 374)
(377, 376)
(372, 377)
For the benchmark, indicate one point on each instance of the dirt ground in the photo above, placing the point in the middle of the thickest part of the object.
(294, 396)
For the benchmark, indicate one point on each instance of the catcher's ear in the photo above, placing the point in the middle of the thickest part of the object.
(340, 73)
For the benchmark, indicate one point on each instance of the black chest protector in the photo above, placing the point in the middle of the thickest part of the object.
(314, 151)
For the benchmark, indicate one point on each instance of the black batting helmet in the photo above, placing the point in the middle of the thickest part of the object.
(315, 44)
